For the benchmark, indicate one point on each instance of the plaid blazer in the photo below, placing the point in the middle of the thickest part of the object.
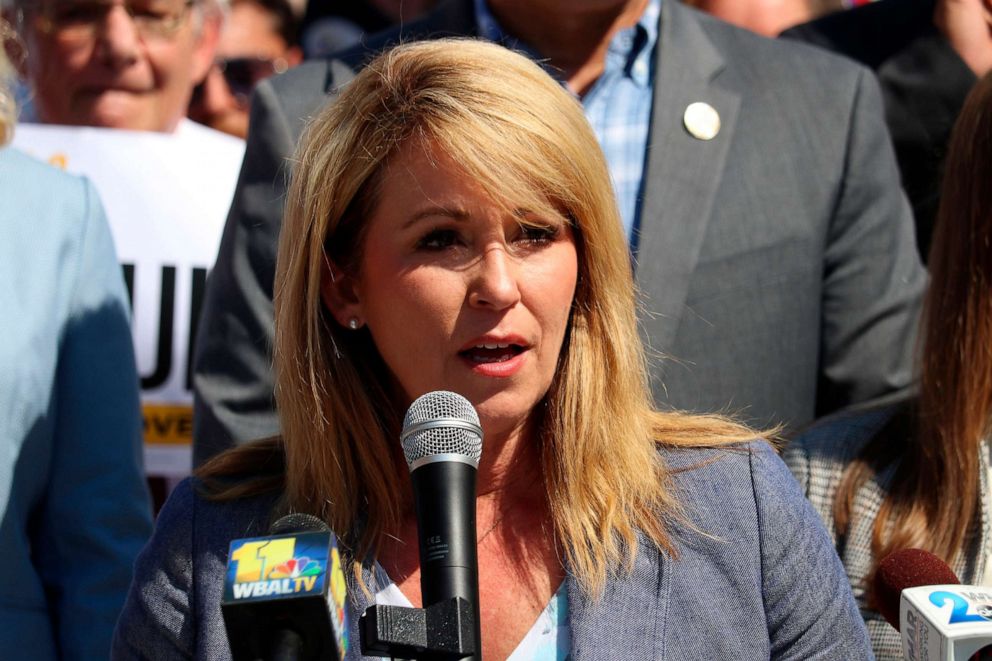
(818, 459)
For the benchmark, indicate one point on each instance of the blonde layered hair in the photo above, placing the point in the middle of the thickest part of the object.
(525, 140)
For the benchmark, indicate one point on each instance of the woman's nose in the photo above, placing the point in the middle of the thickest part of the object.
(495, 280)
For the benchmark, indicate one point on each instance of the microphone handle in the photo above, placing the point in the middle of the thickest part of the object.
(287, 646)
(444, 497)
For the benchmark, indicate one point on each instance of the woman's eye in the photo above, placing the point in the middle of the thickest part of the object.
(437, 240)
(539, 234)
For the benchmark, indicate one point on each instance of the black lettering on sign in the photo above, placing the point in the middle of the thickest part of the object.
(162, 369)
(184, 426)
(168, 424)
(159, 426)
(195, 307)
(128, 270)
(163, 356)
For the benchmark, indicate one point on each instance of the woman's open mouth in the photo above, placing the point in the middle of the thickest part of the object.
(495, 359)
(492, 352)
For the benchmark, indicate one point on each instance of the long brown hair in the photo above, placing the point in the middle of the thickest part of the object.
(527, 143)
(933, 499)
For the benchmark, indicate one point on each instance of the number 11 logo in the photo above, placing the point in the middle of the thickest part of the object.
(256, 560)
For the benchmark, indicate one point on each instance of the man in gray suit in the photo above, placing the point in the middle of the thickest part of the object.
(773, 246)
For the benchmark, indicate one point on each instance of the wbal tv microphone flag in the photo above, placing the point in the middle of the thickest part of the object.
(284, 595)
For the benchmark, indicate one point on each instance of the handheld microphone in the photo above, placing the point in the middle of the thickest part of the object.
(284, 595)
(939, 619)
(442, 442)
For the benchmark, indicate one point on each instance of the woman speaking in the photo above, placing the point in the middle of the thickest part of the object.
(451, 226)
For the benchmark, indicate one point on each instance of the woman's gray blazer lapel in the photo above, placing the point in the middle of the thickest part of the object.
(628, 620)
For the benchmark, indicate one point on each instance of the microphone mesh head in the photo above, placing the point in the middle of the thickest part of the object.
(441, 422)
(904, 569)
(298, 522)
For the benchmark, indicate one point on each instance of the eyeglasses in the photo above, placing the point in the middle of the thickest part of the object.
(79, 20)
(242, 74)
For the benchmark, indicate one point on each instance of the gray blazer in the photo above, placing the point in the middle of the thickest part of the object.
(777, 265)
(764, 583)
(818, 459)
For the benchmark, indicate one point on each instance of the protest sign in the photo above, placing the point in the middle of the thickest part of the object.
(166, 198)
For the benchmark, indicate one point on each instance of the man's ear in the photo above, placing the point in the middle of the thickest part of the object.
(338, 291)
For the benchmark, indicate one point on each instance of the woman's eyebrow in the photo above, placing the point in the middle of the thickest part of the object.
(455, 213)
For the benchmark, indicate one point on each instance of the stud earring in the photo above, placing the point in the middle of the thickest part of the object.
(353, 323)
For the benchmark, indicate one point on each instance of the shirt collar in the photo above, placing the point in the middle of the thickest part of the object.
(630, 50)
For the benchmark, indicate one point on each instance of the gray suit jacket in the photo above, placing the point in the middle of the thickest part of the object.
(924, 84)
(818, 459)
(763, 583)
(777, 262)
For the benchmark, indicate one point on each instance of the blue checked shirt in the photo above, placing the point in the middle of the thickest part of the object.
(618, 105)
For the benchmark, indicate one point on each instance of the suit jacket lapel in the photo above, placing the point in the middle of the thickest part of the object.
(682, 173)
(628, 621)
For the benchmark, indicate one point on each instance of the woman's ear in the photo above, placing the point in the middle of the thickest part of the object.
(339, 294)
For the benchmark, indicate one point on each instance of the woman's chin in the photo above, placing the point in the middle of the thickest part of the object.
(501, 423)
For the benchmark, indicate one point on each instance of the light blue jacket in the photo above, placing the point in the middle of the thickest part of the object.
(764, 583)
(75, 510)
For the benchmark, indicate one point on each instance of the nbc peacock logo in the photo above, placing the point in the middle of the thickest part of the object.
(296, 567)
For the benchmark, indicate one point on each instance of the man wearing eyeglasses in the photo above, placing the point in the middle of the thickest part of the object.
(258, 40)
(128, 64)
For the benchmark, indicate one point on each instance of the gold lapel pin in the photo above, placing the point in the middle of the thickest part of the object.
(701, 120)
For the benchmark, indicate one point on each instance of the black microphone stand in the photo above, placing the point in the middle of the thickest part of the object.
(448, 628)
(441, 632)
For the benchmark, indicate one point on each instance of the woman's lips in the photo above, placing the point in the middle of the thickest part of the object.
(497, 359)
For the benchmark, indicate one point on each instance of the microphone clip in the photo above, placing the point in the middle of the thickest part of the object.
(441, 632)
